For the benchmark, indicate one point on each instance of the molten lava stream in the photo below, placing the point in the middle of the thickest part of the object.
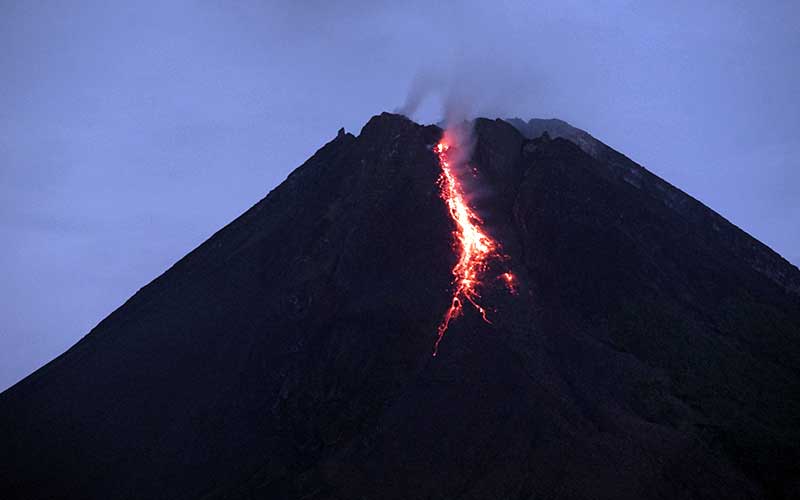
(475, 247)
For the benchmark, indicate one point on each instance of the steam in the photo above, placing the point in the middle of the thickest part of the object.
(470, 85)
(465, 89)
(456, 113)
(456, 99)
(422, 86)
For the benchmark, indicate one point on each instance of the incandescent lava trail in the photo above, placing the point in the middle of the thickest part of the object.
(475, 247)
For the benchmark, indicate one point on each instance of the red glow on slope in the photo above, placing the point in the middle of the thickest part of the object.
(475, 247)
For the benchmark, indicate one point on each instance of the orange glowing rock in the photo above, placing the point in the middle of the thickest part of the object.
(475, 247)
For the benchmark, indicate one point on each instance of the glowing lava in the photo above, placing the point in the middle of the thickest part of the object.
(475, 247)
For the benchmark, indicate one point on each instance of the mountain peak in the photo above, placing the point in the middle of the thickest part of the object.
(650, 348)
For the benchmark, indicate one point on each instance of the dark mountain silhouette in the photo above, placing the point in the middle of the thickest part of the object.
(652, 350)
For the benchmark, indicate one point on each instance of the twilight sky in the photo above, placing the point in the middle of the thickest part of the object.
(130, 133)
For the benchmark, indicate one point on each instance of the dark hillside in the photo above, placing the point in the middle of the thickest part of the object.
(652, 350)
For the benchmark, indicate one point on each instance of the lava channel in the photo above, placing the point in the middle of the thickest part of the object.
(475, 248)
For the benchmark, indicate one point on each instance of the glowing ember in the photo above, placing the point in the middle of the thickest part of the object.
(475, 247)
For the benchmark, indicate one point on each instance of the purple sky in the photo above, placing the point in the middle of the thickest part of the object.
(129, 134)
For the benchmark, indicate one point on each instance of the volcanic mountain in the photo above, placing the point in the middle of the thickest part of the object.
(650, 348)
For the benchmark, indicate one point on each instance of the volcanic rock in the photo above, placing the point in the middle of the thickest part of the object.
(652, 349)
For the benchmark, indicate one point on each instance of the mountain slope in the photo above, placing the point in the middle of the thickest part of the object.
(647, 354)
(620, 167)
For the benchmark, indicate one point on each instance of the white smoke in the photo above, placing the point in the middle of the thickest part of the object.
(468, 87)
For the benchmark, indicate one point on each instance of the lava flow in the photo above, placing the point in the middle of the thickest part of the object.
(475, 247)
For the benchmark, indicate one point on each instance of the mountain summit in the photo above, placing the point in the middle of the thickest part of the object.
(651, 349)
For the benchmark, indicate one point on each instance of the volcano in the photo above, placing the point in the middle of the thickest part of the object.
(651, 349)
